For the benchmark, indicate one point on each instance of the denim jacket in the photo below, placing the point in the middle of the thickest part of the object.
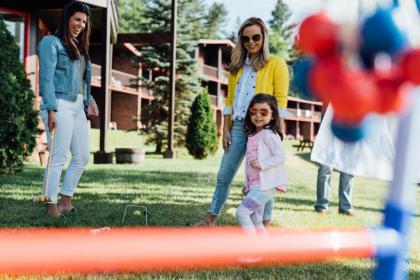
(59, 75)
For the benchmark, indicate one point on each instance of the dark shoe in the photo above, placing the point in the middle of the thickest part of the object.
(53, 211)
(321, 212)
(70, 212)
(205, 223)
(266, 223)
(345, 212)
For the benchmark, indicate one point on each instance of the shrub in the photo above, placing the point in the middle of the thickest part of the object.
(18, 119)
(202, 132)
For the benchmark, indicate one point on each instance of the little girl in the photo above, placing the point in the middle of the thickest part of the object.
(265, 157)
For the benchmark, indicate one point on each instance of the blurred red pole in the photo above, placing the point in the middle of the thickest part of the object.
(24, 251)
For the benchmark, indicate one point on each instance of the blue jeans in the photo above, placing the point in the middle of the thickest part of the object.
(231, 161)
(323, 186)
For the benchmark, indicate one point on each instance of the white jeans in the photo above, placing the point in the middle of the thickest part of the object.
(71, 134)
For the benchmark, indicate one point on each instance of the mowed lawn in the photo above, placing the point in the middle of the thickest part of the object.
(178, 192)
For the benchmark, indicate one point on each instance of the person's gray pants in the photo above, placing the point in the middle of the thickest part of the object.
(323, 186)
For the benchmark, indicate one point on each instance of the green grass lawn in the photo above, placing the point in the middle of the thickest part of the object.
(178, 192)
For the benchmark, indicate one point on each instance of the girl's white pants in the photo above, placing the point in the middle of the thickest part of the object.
(71, 134)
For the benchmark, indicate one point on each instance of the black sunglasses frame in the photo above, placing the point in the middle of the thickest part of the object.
(254, 38)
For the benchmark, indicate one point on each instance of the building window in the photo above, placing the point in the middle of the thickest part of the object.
(16, 26)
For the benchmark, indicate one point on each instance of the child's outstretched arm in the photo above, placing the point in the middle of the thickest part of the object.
(278, 153)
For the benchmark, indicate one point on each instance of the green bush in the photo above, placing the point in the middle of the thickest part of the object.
(18, 119)
(202, 131)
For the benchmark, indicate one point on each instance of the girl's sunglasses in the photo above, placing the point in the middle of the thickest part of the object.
(255, 38)
(263, 112)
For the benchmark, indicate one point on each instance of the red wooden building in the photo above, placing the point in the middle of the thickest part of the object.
(114, 74)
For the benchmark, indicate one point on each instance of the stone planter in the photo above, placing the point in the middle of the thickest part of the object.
(128, 155)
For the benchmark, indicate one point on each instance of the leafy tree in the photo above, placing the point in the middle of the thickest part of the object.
(18, 119)
(132, 16)
(202, 131)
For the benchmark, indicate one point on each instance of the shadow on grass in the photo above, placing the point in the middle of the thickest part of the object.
(30, 175)
(306, 156)
(172, 199)
(294, 204)
(326, 271)
(382, 210)
(332, 270)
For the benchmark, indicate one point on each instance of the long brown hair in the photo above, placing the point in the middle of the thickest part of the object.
(239, 52)
(80, 46)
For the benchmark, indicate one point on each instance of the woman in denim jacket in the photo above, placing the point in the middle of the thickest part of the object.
(64, 85)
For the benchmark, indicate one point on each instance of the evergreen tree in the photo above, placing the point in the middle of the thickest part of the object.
(202, 132)
(193, 23)
(188, 84)
(18, 119)
(234, 33)
(282, 38)
(189, 21)
(282, 32)
(215, 21)
(131, 16)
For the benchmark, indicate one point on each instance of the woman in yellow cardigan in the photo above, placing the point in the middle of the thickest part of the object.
(252, 70)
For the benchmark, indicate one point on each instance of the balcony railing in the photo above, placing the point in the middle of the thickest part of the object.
(96, 73)
(124, 80)
(213, 100)
(209, 70)
(218, 101)
(304, 115)
(211, 73)
(119, 80)
(225, 76)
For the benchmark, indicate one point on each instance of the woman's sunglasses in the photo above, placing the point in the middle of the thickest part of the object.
(255, 38)
(263, 112)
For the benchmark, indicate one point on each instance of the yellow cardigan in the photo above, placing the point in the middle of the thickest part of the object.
(272, 79)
